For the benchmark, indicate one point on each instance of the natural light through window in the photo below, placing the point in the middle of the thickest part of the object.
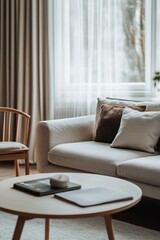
(99, 49)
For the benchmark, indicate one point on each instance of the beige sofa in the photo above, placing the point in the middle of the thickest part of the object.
(66, 145)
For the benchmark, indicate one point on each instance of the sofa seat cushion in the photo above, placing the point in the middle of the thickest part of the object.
(91, 156)
(145, 170)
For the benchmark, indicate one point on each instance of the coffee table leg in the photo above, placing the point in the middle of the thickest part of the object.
(47, 225)
(19, 227)
(109, 227)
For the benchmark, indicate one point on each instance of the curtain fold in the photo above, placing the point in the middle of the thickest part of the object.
(24, 59)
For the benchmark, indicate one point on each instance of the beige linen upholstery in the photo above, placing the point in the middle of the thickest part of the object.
(145, 170)
(91, 156)
(53, 132)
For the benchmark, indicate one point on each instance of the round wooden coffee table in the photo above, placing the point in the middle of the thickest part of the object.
(28, 207)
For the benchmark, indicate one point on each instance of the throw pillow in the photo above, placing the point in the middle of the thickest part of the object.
(109, 122)
(150, 106)
(138, 130)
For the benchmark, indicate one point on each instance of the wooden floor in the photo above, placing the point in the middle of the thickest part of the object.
(146, 213)
(7, 170)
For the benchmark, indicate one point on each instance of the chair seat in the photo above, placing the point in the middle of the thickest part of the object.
(11, 146)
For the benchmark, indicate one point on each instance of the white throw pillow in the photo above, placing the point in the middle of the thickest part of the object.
(138, 130)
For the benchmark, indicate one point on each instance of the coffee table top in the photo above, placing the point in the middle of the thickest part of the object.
(24, 204)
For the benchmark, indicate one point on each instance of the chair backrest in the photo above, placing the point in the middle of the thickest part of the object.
(14, 125)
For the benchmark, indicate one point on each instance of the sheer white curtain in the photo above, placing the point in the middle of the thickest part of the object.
(157, 36)
(152, 42)
(96, 49)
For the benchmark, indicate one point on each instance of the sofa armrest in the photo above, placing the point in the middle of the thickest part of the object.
(50, 133)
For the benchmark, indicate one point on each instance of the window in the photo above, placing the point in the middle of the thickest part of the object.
(100, 48)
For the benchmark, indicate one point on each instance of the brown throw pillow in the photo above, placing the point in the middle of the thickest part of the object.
(109, 122)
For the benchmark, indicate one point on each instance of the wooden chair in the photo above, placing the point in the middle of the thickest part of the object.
(14, 126)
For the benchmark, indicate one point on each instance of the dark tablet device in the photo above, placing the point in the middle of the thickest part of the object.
(41, 187)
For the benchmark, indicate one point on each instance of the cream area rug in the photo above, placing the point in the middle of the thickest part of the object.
(77, 229)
